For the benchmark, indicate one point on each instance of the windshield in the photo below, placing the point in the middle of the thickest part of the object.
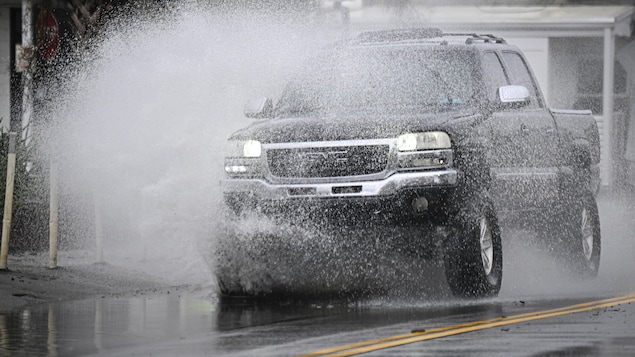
(387, 80)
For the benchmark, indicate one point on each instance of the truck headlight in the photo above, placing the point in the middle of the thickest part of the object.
(424, 151)
(243, 148)
(431, 140)
(242, 159)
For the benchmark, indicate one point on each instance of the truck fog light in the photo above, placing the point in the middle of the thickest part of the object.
(420, 204)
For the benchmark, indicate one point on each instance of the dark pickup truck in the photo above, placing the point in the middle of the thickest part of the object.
(442, 134)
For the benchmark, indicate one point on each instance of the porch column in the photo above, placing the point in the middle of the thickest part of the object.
(27, 75)
(607, 105)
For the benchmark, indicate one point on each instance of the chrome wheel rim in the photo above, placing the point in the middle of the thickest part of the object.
(587, 235)
(487, 246)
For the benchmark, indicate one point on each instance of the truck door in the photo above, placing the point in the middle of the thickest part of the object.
(524, 146)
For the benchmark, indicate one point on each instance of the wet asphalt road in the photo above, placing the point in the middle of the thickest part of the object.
(191, 326)
(521, 321)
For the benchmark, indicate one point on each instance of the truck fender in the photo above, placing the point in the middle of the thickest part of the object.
(580, 154)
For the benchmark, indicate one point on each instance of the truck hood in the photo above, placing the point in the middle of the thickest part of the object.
(351, 127)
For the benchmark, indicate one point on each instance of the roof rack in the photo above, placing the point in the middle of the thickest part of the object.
(399, 34)
(471, 37)
(422, 33)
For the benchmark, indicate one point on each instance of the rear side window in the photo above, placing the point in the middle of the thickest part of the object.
(493, 75)
(519, 75)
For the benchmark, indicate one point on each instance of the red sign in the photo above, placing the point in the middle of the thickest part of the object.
(47, 35)
(23, 57)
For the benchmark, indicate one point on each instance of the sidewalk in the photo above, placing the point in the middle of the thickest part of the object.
(29, 280)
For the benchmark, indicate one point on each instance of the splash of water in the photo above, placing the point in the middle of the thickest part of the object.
(139, 124)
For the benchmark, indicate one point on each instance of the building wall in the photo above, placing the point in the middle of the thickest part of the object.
(5, 70)
(576, 72)
(568, 80)
(563, 72)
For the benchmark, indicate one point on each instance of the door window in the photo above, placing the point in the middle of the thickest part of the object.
(493, 75)
(520, 75)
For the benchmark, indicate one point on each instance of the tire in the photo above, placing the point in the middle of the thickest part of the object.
(473, 258)
(581, 242)
(225, 288)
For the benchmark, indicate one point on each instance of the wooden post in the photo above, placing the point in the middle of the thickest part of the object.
(99, 230)
(8, 203)
(53, 215)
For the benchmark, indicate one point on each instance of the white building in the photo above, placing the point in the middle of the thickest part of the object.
(5, 64)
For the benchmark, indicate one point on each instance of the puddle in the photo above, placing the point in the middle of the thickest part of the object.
(84, 327)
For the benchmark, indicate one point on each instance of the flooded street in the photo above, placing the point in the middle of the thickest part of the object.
(188, 322)
(194, 326)
(137, 124)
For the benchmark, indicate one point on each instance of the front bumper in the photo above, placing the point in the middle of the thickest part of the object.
(384, 208)
(389, 186)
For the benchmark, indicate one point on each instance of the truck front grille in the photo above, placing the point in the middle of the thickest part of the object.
(322, 162)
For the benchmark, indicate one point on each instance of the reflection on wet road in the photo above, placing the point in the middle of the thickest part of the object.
(419, 335)
(83, 327)
(193, 325)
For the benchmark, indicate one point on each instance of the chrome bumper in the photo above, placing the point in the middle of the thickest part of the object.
(386, 187)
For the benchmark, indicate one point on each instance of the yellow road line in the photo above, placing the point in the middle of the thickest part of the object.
(429, 334)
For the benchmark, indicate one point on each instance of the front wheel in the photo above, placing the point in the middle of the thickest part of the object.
(474, 257)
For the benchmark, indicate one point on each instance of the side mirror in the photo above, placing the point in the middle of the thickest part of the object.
(513, 95)
(259, 108)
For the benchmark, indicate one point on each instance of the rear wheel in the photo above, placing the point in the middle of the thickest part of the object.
(581, 241)
(474, 257)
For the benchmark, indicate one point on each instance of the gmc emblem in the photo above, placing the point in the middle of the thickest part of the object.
(337, 156)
